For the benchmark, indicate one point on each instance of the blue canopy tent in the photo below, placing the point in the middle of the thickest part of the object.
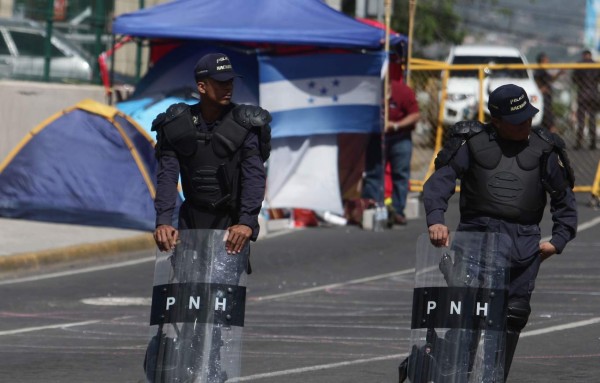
(287, 22)
(241, 29)
(255, 29)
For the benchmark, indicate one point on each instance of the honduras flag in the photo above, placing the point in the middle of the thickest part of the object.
(322, 93)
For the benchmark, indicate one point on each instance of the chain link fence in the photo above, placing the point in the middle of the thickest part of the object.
(569, 107)
(86, 24)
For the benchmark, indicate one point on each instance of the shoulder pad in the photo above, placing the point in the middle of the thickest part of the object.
(158, 121)
(175, 110)
(545, 135)
(558, 141)
(251, 116)
(466, 129)
(458, 135)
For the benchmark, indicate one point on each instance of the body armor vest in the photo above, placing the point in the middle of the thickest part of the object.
(210, 181)
(209, 161)
(504, 180)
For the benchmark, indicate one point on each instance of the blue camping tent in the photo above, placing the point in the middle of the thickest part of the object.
(89, 164)
(288, 22)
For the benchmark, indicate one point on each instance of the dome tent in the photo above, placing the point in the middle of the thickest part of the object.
(89, 164)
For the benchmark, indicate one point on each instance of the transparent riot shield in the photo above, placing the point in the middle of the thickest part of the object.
(459, 310)
(197, 313)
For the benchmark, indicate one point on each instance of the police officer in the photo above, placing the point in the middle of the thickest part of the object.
(506, 169)
(219, 149)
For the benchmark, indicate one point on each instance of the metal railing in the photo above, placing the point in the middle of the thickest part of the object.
(572, 94)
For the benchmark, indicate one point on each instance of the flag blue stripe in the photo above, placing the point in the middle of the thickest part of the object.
(326, 120)
(289, 68)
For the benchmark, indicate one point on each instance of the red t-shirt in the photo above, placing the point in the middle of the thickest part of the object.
(402, 103)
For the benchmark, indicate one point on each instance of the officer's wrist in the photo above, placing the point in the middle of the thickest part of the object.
(395, 126)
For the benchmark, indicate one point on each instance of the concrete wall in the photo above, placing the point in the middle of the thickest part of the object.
(6, 8)
(24, 105)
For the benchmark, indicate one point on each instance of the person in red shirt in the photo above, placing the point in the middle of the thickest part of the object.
(403, 116)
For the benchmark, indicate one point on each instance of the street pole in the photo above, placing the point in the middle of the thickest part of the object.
(48, 41)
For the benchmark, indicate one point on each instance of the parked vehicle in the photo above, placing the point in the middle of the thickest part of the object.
(462, 96)
(22, 54)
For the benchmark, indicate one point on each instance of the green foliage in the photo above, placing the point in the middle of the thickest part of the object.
(435, 21)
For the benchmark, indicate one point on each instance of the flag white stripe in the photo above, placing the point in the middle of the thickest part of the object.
(281, 96)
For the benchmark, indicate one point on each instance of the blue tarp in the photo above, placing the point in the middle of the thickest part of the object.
(287, 22)
(91, 165)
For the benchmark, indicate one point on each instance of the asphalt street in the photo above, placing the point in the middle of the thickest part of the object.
(328, 304)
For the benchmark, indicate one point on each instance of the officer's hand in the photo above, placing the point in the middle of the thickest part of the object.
(439, 235)
(165, 237)
(238, 236)
(547, 250)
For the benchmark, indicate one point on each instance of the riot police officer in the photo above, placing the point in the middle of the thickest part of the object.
(507, 169)
(219, 149)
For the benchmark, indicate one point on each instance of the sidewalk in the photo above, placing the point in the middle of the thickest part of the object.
(30, 244)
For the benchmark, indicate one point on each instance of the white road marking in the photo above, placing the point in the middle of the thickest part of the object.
(561, 327)
(588, 224)
(315, 368)
(332, 286)
(40, 328)
(117, 301)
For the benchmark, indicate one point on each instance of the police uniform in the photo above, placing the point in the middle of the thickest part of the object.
(221, 164)
(220, 188)
(504, 189)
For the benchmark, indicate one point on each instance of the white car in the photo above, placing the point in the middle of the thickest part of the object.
(22, 54)
(462, 95)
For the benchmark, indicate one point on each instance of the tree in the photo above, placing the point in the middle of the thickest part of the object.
(435, 21)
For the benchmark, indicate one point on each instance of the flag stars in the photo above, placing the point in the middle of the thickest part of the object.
(323, 91)
(335, 82)
(312, 84)
(334, 98)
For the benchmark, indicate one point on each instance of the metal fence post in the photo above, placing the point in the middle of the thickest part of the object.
(48, 40)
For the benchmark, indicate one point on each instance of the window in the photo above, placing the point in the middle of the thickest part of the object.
(511, 73)
(33, 44)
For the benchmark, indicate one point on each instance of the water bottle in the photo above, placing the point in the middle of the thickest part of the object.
(380, 218)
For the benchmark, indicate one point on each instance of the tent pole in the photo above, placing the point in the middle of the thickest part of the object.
(112, 70)
(412, 7)
(382, 211)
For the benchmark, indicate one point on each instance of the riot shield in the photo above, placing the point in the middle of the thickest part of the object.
(197, 313)
(459, 310)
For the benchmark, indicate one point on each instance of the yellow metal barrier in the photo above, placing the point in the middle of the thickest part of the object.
(429, 80)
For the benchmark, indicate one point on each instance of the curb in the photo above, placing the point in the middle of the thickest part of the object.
(34, 260)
